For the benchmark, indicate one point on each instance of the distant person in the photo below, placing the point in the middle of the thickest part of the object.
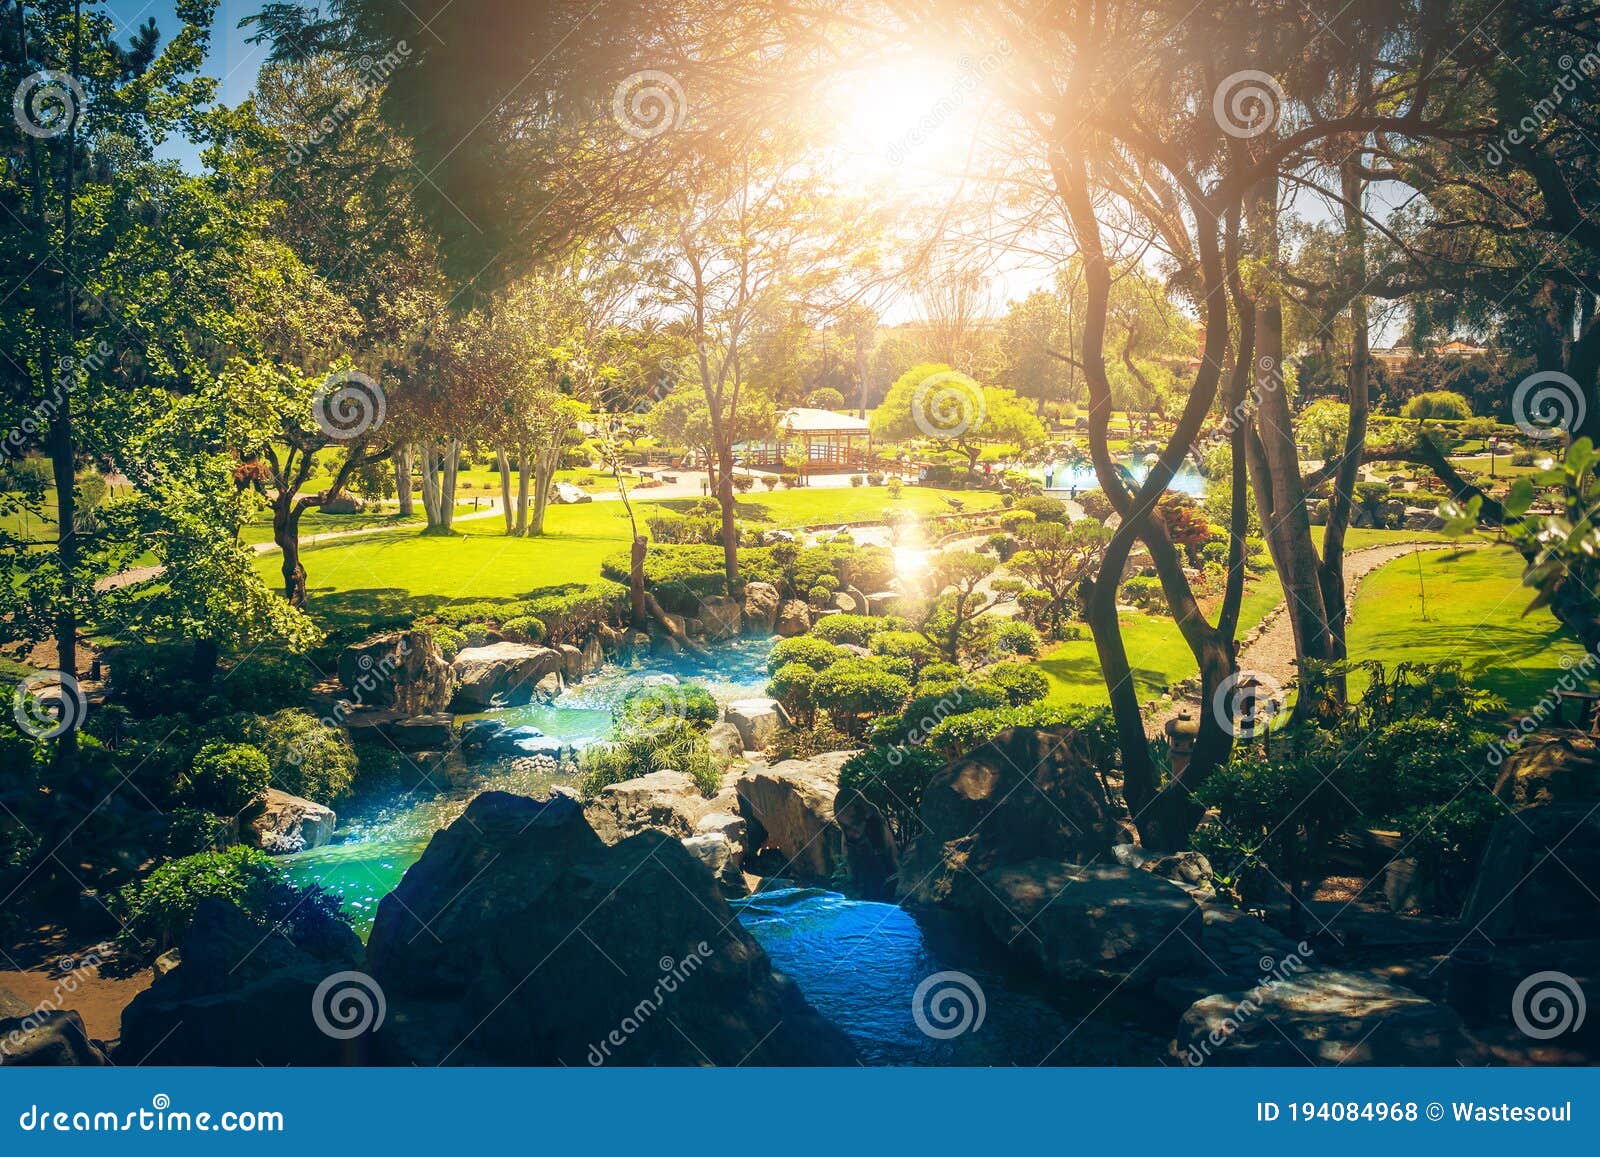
(1049, 479)
(1073, 492)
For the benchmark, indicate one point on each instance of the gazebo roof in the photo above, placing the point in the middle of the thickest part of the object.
(802, 420)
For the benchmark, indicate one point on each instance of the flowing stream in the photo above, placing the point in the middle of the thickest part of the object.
(866, 966)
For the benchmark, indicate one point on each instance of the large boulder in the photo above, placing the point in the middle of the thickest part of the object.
(48, 1037)
(720, 617)
(1324, 1018)
(757, 721)
(725, 742)
(1555, 766)
(492, 739)
(501, 674)
(566, 494)
(666, 801)
(343, 504)
(402, 669)
(1093, 922)
(760, 608)
(280, 824)
(1539, 875)
(520, 938)
(794, 618)
(243, 995)
(796, 808)
(1026, 794)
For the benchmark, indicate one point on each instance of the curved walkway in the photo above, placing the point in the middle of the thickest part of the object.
(1269, 648)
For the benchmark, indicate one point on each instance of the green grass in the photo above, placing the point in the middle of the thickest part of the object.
(1474, 614)
(403, 573)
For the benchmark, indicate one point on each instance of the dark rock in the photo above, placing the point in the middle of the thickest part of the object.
(1539, 875)
(1026, 794)
(433, 732)
(1093, 922)
(480, 954)
(1324, 1018)
(50, 1037)
(241, 995)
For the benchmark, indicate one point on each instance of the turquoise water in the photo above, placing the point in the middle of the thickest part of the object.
(375, 845)
(1066, 478)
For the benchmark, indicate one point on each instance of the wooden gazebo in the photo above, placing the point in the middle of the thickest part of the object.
(821, 440)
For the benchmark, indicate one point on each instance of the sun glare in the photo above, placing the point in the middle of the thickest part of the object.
(905, 124)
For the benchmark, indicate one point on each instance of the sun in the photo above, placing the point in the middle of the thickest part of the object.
(905, 123)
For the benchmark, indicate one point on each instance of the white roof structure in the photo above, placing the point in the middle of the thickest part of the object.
(802, 420)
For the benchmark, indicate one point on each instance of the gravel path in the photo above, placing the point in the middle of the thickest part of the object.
(1269, 649)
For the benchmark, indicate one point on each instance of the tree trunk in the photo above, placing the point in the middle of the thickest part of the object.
(641, 546)
(447, 488)
(402, 480)
(524, 473)
(286, 533)
(504, 466)
(430, 487)
(730, 525)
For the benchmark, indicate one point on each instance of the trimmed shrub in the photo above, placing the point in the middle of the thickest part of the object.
(938, 674)
(1010, 637)
(1022, 682)
(856, 630)
(791, 686)
(892, 779)
(523, 629)
(224, 777)
(904, 645)
(1013, 520)
(813, 652)
(1145, 593)
(645, 707)
(933, 705)
(854, 691)
(959, 734)
(1042, 507)
(449, 640)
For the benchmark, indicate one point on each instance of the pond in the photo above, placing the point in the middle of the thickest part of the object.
(1064, 478)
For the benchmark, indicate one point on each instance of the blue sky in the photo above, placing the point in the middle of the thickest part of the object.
(232, 60)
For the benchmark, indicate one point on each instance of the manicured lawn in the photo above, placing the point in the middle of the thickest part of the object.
(1474, 614)
(405, 572)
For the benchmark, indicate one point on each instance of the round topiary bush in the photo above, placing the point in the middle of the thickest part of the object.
(855, 691)
(808, 649)
(305, 756)
(224, 777)
(791, 686)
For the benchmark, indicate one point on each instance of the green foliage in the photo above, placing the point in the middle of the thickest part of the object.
(855, 691)
(1145, 593)
(791, 686)
(224, 777)
(1041, 506)
(826, 398)
(813, 740)
(904, 645)
(632, 752)
(524, 629)
(1096, 505)
(856, 630)
(892, 779)
(1022, 682)
(305, 757)
(192, 830)
(961, 733)
(936, 703)
(449, 640)
(937, 675)
(1438, 404)
(644, 707)
(160, 908)
(1010, 637)
(813, 652)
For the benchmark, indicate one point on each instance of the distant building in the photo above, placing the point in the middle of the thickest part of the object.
(1399, 356)
(1393, 357)
(821, 439)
